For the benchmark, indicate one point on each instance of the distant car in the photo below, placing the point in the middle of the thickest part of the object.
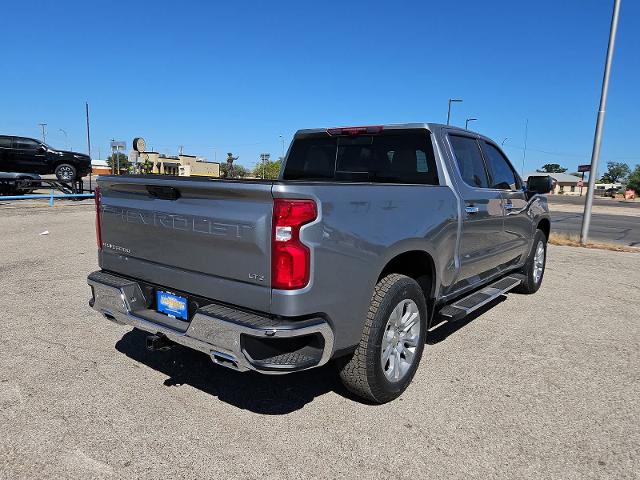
(610, 192)
(12, 183)
(27, 155)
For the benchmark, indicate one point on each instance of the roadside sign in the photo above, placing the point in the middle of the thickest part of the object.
(139, 145)
(116, 145)
(584, 168)
(580, 183)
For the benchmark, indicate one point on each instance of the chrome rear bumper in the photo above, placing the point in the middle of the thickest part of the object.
(219, 331)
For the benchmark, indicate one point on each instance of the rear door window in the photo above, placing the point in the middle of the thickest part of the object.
(5, 142)
(26, 144)
(470, 162)
(390, 157)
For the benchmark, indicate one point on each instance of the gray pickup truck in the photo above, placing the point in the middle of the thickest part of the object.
(370, 236)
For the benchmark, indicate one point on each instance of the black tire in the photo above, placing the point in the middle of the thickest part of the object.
(66, 172)
(530, 284)
(363, 372)
(24, 191)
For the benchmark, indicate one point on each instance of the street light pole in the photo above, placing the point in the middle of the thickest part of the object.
(282, 138)
(452, 100)
(595, 154)
(505, 139)
(66, 138)
(526, 137)
(466, 122)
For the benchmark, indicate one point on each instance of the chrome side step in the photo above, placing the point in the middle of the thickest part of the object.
(464, 306)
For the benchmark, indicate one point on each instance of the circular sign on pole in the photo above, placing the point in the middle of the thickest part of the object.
(580, 183)
(139, 144)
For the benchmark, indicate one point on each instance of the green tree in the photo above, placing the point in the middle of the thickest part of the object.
(112, 161)
(616, 172)
(552, 168)
(238, 170)
(633, 182)
(146, 166)
(269, 170)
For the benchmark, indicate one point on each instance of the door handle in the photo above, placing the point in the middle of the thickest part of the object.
(471, 209)
(508, 206)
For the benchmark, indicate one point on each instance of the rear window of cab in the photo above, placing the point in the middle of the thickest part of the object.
(389, 157)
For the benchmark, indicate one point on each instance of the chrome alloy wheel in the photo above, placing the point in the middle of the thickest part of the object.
(538, 263)
(66, 172)
(400, 340)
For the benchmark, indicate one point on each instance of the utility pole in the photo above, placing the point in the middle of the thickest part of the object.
(466, 123)
(597, 139)
(526, 136)
(452, 100)
(113, 157)
(86, 108)
(44, 132)
(264, 158)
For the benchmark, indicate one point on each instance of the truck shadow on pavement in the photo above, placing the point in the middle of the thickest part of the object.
(264, 394)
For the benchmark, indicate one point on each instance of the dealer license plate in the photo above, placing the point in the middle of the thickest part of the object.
(172, 305)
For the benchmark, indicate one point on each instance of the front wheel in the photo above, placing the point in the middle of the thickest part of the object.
(66, 172)
(392, 342)
(533, 270)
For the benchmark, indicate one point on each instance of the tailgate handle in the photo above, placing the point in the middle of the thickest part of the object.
(163, 193)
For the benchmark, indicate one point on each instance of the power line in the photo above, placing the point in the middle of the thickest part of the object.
(563, 154)
(548, 152)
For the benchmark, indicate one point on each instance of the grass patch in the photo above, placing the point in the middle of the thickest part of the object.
(568, 240)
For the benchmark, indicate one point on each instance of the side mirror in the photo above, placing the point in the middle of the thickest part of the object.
(539, 185)
(42, 148)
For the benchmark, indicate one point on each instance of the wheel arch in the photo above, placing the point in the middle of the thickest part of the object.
(545, 226)
(419, 265)
(57, 163)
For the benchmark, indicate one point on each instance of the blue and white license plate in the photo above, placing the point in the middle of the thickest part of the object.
(172, 305)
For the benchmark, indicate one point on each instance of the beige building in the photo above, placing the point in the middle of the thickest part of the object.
(181, 165)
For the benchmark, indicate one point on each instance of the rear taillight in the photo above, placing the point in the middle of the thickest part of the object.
(98, 231)
(368, 129)
(290, 258)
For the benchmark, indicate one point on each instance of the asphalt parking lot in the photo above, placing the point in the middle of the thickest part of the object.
(542, 386)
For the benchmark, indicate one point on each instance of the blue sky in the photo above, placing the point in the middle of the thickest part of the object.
(234, 76)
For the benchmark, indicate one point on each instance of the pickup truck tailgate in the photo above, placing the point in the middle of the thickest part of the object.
(208, 237)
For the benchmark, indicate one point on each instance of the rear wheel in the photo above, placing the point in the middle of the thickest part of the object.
(66, 172)
(534, 268)
(392, 342)
(25, 190)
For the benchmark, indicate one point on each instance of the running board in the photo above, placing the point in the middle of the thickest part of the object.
(464, 306)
